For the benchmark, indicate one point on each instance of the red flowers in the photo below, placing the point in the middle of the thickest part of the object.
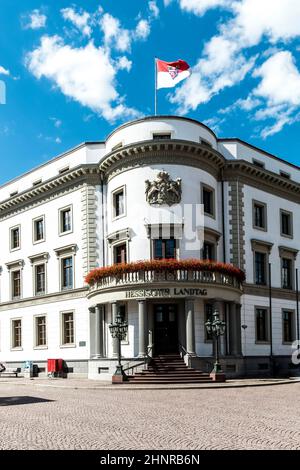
(162, 266)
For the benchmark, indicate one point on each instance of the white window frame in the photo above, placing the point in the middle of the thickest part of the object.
(113, 207)
(61, 258)
(10, 237)
(35, 331)
(212, 190)
(13, 270)
(34, 221)
(34, 266)
(60, 211)
(62, 344)
(12, 347)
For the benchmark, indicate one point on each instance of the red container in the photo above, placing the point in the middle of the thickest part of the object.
(60, 365)
(52, 365)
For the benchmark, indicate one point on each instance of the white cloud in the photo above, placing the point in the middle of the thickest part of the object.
(57, 122)
(154, 10)
(58, 140)
(86, 74)
(200, 7)
(123, 63)
(80, 20)
(35, 20)
(114, 34)
(280, 80)
(143, 29)
(4, 71)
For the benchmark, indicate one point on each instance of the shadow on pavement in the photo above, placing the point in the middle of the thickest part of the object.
(9, 401)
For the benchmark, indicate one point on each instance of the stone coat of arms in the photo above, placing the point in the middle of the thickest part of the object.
(163, 190)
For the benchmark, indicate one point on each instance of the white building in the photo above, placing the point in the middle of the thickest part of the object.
(110, 202)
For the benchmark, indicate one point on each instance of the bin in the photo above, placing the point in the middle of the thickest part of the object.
(51, 366)
(55, 367)
(28, 369)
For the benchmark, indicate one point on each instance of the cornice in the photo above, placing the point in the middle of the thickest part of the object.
(180, 152)
(263, 291)
(59, 182)
(262, 179)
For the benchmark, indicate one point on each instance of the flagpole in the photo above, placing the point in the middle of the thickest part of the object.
(155, 85)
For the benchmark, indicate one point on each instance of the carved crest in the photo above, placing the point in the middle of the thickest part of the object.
(163, 190)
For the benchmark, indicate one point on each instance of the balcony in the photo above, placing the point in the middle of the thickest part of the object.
(159, 274)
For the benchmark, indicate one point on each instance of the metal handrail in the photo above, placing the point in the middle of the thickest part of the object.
(146, 361)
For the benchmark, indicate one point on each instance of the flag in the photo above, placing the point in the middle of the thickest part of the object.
(168, 74)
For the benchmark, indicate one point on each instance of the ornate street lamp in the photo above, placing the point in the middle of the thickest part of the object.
(119, 330)
(216, 328)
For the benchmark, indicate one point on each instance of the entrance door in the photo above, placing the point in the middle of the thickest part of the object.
(165, 328)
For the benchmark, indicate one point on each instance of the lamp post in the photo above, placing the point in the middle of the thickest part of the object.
(216, 328)
(119, 330)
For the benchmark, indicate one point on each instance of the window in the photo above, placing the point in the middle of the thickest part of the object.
(287, 326)
(65, 220)
(262, 327)
(164, 248)
(36, 182)
(16, 284)
(161, 136)
(208, 201)
(260, 268)
(286, 223)
(120, 253)
(208, 316)
(208, 251)
(15, 238)
(67, 273)
(63, 170)
(38, 230)
(205, 143)
(258, 163)
(286, 273)
(285, 175)
(68, 328)
(17, 333)
(119, 203)
(259, 215)
(40, 279)
(117, 146)
(40, 331)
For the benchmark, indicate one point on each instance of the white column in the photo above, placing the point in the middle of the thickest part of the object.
(97, 332)
(142, 328)
(115, 341)
(190, 326)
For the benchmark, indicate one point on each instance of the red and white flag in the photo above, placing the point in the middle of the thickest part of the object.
(168, 74)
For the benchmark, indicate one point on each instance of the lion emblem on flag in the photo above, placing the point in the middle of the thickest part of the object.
(173, 71)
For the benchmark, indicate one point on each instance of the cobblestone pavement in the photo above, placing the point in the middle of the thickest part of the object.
(37, 417)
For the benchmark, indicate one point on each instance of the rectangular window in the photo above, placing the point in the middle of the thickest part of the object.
(287, 326)
(260, 268)
(259, 215)
(208, 316)
(208, 251)
(15, 238)
(17, 333)
(40, 328)
(67, 273)
(68, 328)
(258, 163)
(285, 175)
(38, 230)
(16, 284)
(286, 273)
(40, 279)
(65, 220)
(262, 329)
(286, 223)
(119, 203)
(208, 200)
(120, 253)
(164, 248)
(161, 136)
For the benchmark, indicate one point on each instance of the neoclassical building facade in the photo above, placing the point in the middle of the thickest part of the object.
(158, 223)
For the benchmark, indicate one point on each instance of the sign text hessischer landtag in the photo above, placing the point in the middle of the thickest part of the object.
(168, 292)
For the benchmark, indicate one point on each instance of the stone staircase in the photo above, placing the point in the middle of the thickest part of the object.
(169, 369)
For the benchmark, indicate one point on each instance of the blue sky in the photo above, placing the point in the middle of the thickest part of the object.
(74, 71)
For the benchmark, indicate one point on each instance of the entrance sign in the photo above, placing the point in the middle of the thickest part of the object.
(170, 292)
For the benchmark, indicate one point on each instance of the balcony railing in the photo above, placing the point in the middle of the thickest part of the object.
(112, 277)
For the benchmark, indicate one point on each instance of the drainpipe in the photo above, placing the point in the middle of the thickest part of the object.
(103, 224)
(223, 217)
